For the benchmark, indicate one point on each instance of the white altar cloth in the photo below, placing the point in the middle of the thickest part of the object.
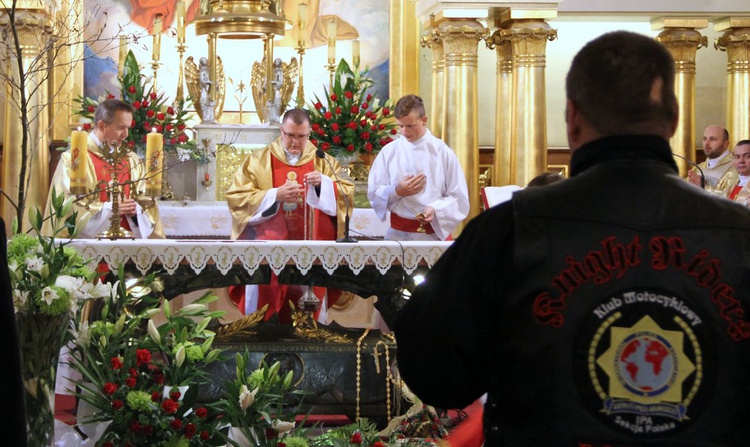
(212, 219)
(171, 253)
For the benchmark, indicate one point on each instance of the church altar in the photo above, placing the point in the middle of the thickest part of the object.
(211, 219)
(365, 268)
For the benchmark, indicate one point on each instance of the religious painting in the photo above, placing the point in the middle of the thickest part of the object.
(367, 22)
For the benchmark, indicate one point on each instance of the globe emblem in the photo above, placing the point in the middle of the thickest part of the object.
(646, 364)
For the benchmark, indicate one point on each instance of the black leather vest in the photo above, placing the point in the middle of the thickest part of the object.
(628, 323)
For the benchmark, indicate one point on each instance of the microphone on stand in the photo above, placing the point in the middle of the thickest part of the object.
(695, 165)
(320, 154)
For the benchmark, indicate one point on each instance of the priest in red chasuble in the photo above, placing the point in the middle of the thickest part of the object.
(140, 214)
(269, 198)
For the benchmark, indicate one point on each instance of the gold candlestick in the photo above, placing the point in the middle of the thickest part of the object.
(114, 153)
(331, 67)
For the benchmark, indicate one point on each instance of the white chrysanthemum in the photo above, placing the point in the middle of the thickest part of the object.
(49, 295)
(71, 284)
(34, 264)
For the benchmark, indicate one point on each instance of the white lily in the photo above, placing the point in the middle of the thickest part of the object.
(281, 426)
(246, 397)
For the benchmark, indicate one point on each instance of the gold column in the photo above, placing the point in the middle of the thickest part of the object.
(435, 117)
(736, 42)
(33, 28)
(504, 162)
(528, 39)
(404, 49)
(460, 38)
(683, 41)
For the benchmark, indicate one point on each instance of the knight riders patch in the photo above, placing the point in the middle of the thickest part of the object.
(643, 363)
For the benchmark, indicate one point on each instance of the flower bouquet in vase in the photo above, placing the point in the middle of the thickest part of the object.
(49, 282)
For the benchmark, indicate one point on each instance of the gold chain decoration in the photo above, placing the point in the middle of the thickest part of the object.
(388, 378)
(359, 370)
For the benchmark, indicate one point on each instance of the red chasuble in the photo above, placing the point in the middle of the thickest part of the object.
(287, 224)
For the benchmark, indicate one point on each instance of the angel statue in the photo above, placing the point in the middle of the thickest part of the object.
(199, 85)
(271, 105)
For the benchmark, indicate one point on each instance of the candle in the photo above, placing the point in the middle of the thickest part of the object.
(123, 54)
(154, 159)
(301, 22)
(79, 156)
(157, 38)
(180, 21)
(332, 42)
(355, 52)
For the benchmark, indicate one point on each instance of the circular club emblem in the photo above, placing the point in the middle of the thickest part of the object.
(643, 363)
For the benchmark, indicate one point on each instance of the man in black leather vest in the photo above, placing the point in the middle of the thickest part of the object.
(609, 309)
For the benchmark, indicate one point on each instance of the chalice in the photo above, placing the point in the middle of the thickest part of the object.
(421, 228)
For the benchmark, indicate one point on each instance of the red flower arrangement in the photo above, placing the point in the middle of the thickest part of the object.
(351, 122)
(152, 112)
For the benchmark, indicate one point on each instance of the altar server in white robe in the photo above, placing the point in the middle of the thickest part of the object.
(418, 178)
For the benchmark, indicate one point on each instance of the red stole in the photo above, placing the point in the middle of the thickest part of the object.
(735, 191)
(289, 221)
(103, 174)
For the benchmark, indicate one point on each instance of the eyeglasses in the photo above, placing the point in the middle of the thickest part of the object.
(295, 137)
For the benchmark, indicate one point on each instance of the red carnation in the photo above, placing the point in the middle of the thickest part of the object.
(108, 444)
(109, 388)
(368, 146)
(116, 404)
(150, 113)
(137, 105)
(321, 132)
(153, 95)
(365, 105)
(318, 105)
(335, 127)
(159, 128)
(374, 128)
(131, 89)
(325, 146)
(181, 127)
(176, 424)
(328, 115)
(313, 141)
(110, 96)
(315, 126)
(337, 139)
(356, 438)
(144, 104)
(378, 444)
(90, 109)
(386, 111)
(363, 123)
(369, 97)
(182, 138)
(132, 124)
(155, 396)
(130, 382)
(190, 430)
(381, 126)
(338, 110)
(355, 109)
(365, 135)
(201, 412)
(175, 395)
(86, 126)
(334, 97)
(172, 141)
(169, 406)
(132, 372)
(143, 356)
(170, 126)
(394, 131)
(348, 94)
(350, 148)
(160, 116)
(205, 435)
(170, 110)
(352, 125)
